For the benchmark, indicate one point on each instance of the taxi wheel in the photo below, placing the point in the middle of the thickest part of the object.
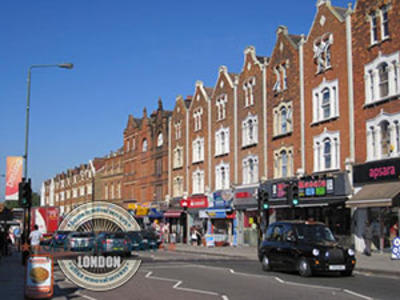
(304, 267)
(266, 264)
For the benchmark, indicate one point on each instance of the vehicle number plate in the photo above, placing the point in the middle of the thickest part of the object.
(337, 267)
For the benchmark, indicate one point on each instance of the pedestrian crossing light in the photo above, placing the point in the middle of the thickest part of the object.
(265, 200)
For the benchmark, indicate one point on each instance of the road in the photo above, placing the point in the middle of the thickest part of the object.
(177, 275)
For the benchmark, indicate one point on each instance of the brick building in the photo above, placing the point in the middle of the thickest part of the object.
(376, 67)
(145, 157)
(110, 178)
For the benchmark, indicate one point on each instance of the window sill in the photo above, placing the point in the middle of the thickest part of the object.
(378, 43)
(197, 162)
(221, 154)
(281, 135)
(324, 121)
(382, 100)
(383, 158)
(326, 171)
(249, 145)
(276, 93)
(177, 167)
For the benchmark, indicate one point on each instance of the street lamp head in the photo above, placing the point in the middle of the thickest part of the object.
(66, 66)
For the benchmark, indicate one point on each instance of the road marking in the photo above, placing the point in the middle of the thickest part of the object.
(179, 282)
(78, 292)
(357, 294)
(232, 271)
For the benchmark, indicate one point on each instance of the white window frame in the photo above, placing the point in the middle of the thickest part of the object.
(384, 9)
(319, 158)
(278, 120)
(318, 113)
(279, 165)
(247, 140)
(373, 130)
(249, 178)
(178, 157)
(248, 87)
(219, 185)
(178, 186)
(277, 84)
(178, 130)
(198, 150)
(198, 181)
(145, 145)
(373, 28)
(222, 141)
(372, 80)
(160, 139)
(221, 102)
(197, 119)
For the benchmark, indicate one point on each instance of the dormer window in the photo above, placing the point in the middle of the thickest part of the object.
(322, 52)
(248, 87)
(221, 107)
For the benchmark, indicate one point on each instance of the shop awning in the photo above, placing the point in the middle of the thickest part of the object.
(376, 195)
(173, 213)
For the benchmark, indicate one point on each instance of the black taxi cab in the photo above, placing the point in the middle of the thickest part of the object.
(306, 247)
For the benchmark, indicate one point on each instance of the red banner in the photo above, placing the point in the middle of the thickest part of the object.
(195, 202)
(13, 176)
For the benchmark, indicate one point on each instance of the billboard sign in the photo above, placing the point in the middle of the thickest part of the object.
(13, 176)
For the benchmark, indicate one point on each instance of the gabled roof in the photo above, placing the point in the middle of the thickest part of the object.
(341, 11)
(295, 38)
(209, 91)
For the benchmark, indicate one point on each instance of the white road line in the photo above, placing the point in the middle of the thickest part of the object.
(279, 280)
(78, 292)
(224, 297)
(357, 294)
(179, 282)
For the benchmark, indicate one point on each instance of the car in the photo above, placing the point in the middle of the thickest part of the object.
(151, 239)
(113, 243)
(60, 237)
(136, 240)
(306, 247)
(81, 241)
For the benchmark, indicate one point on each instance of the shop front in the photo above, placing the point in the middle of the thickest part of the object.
(246, 207)
(219, 218)
(193, 205)
(376, 203)
(322, 198)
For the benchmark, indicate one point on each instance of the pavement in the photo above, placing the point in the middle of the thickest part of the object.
(376, 264)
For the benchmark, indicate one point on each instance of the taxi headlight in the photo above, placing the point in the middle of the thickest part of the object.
(350, 252)
(315, 252)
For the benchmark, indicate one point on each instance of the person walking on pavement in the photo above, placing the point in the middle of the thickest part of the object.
(367, 238)
(35, 237)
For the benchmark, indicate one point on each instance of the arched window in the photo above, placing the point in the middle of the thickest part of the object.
(284, 164)
(144, 145)
(385, 138)
(327, 153)
(383, 79)
(283, 120)
(160, 140)
(326, 103)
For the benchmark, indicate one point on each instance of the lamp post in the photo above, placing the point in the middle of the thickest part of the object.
(27, 213)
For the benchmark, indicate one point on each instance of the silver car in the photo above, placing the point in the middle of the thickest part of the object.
(81, 241)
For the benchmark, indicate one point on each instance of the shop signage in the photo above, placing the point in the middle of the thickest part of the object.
(396, 248)
(197, 202)
(387, 170)
(308, 187)
(142, 211)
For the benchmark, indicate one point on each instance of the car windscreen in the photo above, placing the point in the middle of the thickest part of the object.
(314, 233)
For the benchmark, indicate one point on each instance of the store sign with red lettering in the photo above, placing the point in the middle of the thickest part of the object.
(316, 187)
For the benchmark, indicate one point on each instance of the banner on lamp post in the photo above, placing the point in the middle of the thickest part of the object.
(13, 176)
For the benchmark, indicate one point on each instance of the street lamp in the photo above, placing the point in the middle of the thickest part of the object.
(28, 100)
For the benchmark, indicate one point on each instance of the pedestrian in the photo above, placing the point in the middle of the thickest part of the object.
(367, 238)
(199, 237)
(193, 237)
(35, 237)
(393, 232)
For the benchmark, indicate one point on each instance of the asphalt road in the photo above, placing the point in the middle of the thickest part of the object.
(174, 275)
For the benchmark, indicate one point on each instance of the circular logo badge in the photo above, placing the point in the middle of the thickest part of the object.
(98, 234)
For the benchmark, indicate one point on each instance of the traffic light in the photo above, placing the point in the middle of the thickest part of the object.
(265, 200)
(25, 193)
(295, 194)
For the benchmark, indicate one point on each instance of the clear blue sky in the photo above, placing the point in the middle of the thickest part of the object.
(126, 54)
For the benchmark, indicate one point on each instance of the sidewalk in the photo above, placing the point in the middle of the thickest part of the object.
(12, 277)
(377, 263)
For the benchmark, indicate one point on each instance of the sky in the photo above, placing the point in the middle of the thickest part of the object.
(126, 55)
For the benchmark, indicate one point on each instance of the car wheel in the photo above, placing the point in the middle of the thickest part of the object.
(304, 268)
(266, 263)
(346, 273)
